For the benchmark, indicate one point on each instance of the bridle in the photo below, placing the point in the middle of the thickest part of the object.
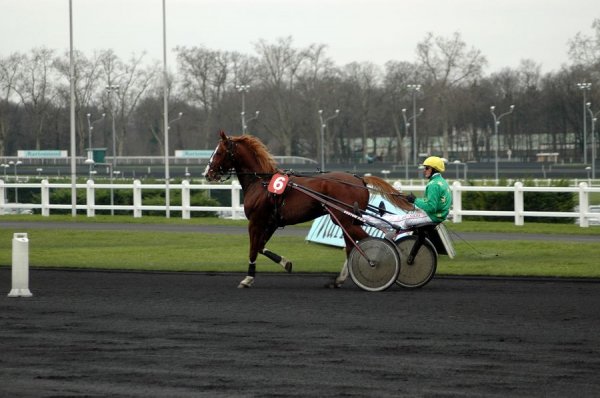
(230, 156)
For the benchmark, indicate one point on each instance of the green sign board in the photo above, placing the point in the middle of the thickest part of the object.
(45, 154)
(194, 153)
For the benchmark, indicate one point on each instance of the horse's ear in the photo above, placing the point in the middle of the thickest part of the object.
(223, 135)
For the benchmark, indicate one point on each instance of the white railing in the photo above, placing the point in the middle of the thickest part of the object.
(519, 213)
(236, 210)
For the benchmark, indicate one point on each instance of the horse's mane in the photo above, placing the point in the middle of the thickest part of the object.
(261, 154)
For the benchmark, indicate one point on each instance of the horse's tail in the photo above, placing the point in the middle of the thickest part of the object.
(390, 193)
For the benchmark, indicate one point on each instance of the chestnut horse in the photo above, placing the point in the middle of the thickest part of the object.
(254, 166)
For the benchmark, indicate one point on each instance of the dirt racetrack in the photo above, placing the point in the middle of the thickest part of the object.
(87, 333)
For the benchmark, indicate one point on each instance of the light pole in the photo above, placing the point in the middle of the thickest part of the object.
(594, 119)
(18, 162)
(111, 88)
(496, 124)
(90, 128)
(243, 89)
(4, 166)
(167, 174)
(179, 116)
(72, 114)
(407, 125)
(459, 163)
(414, 88)
(323, 126)
(165, 81)
(245, 130)
(588, 169)
(585, 87)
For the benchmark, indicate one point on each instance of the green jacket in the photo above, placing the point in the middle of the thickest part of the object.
(437, 200)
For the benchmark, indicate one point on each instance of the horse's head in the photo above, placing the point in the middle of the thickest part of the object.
(221, 161)
(245, 153)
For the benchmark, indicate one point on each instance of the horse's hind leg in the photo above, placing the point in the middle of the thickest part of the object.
(358, 233)
(340, 279)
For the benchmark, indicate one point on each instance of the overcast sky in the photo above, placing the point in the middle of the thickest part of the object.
(506, 31)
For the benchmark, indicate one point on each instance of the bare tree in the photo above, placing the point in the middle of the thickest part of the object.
(132, 79)
(318, 88)
(448, 63)
(397, 76)
(9, 68)
(366, 80)
(205, 76)
(150, 113)
(280, 65)
(35, 89)
(88, 89)
(585, 49)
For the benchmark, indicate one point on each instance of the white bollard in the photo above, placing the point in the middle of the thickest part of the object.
(20, 266)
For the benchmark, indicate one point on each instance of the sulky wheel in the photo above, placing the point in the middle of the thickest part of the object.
(421, 270)
(377, 267)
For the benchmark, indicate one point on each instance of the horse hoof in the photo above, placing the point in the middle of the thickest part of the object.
(288, 267)
(246, 282)
(333, 285)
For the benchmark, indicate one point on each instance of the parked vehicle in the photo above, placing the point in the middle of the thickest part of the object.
(594, 220)
(16, 211)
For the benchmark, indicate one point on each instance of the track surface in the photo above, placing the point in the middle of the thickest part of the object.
(87, 333)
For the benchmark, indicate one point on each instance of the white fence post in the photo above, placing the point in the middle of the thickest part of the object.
(45, 197)
(185, 200)
(137, 199)
(583, 205)
(456, 202)
(2, 196)
(519, 204)
(236, 188)
(90, 198)
(20, 266)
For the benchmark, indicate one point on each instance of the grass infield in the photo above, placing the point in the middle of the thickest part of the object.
(179, 251)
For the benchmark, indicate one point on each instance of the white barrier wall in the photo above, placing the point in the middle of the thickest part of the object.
(20, 266)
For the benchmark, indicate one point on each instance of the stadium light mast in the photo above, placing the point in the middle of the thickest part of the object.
(323, 127)
(415, 88)
(585, 87)
(496, 124)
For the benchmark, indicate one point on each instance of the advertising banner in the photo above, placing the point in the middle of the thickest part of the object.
(194, 153)
(324, 231)
(46, 154)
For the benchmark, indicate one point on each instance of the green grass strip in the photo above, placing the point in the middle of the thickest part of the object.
(177, 251)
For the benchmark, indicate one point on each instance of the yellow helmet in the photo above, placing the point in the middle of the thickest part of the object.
(435, 162)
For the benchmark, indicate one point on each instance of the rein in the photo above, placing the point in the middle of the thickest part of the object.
(230, 153)
(328, 203)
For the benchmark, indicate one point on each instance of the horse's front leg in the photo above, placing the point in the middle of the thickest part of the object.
(259, 236)
(248, 281)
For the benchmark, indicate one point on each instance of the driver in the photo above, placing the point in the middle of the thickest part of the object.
(432, 208)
